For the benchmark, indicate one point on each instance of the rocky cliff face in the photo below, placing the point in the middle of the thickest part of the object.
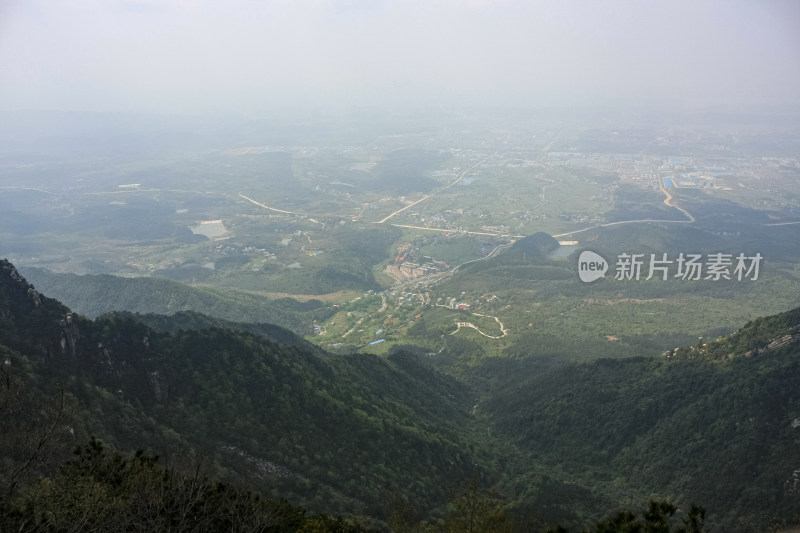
(42, 328)
(9, 272)
(33, 323)
(69, 335)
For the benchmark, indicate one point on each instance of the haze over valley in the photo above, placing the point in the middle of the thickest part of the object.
(400, 264)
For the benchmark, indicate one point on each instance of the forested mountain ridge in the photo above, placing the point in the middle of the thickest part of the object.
(717, 423)
(364, 435)
(336, 434)
(96, 294)
(191, 320)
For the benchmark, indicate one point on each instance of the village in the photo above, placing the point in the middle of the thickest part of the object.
(408, 264)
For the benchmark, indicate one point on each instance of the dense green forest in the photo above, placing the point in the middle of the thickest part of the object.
(250, 417)
(334, 433)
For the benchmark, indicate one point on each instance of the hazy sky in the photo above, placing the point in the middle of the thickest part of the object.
(246, 56)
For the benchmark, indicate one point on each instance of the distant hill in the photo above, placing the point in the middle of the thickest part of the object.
(93, 295)
(190, 320)
(536, 246)
(525, 254)
(401, 172)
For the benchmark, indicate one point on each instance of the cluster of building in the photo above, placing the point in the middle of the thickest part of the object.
(713, 172)
(409, 264)
(409, 270)
(691, 180)
(226, 250)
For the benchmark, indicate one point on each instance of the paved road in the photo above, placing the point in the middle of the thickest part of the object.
(667, 201)
(457, 180)
(268, 207)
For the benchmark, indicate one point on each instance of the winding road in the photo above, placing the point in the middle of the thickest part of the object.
(503, 329)
(667, 202)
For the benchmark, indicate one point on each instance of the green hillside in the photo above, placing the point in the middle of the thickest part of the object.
(94, 295)
(191, 320)
(335, 433)
(715, 423)
(390, 438)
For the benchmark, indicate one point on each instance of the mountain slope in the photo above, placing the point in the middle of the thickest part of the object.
(191, 320)
(94, 295)
(717, 423)
(336, 434)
